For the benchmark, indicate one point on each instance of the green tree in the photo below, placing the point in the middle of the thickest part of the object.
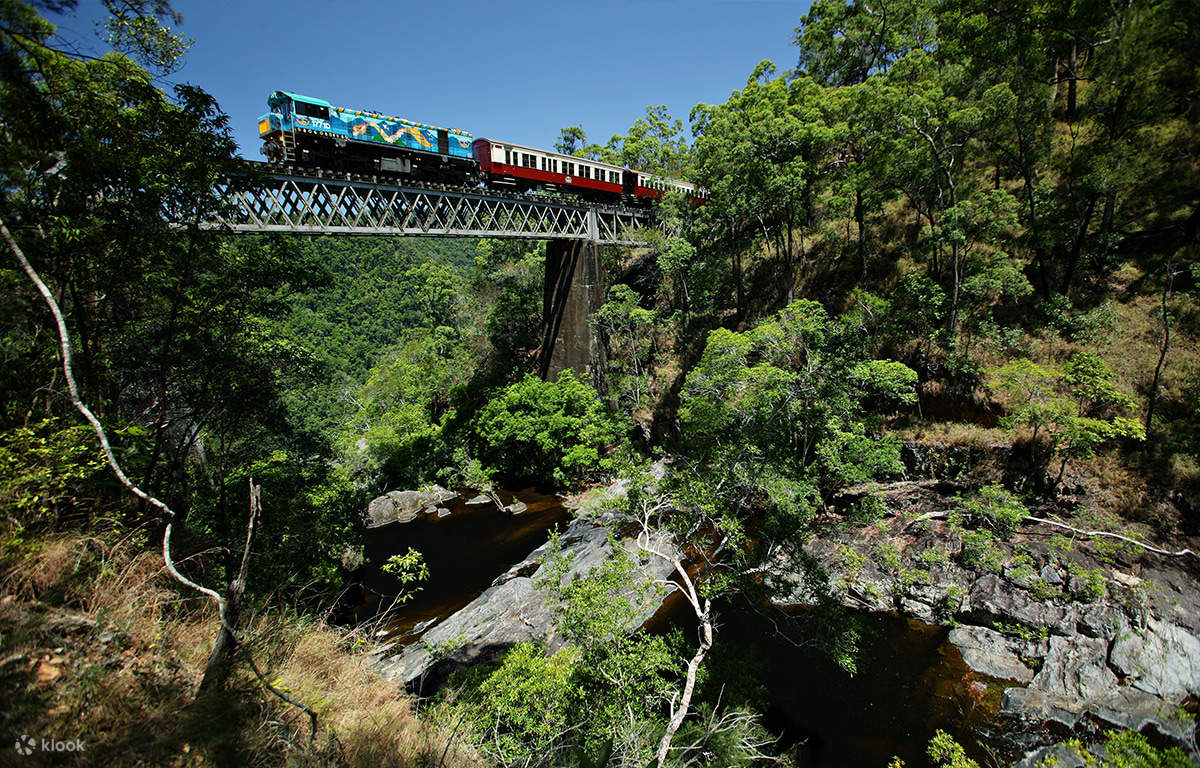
(629, 329)
(398, 432)
(543, 431)
(844, 43)
(654, 143)
(1077, 406)
(774, 421)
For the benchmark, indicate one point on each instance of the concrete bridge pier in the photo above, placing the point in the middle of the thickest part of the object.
(574, 290)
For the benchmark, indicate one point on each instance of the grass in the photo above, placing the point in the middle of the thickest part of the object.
(96, 644)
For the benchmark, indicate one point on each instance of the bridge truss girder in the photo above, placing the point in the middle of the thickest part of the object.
(333, 206)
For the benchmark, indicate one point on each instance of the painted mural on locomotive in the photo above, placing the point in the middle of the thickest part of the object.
(291, 111)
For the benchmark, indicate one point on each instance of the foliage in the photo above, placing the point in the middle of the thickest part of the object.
(1127, 749)
(178, 341)
(979, 551)
(527, 706)
(945, 752)
(600, 694)
(997, 508)
(630, 330)
(656, 143)
(544, 430)
(781, 408)
(405, 404)
(407, 568)
(48, 469)
(1077, 406)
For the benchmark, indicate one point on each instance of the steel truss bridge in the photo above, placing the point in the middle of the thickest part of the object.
(274, 201)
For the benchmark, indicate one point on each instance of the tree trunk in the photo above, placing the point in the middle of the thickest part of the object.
(689, 685)
(1072, 77)
(1152, 395)
(859, 216)
(220, 661)
(1077, 246)
(789, 276)
(736, 260)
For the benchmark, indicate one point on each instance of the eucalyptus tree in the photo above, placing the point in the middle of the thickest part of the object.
(759, 155)
(843, 43)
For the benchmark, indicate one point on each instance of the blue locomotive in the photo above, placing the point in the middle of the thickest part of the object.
(307, 132)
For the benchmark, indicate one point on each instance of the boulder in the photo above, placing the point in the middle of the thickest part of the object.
(479, 500)
(987, 651)
(516, 508)
(1163, 659)
(394, 507)
(1074, 676)
(404, 506)
(1058, 755)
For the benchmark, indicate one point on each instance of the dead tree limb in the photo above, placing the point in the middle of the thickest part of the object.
(703, 611)
(943, 514)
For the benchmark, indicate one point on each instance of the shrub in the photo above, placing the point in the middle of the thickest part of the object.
(526, 706)
(545, 430)
(979, 551)
(49, 470)
(997, 508)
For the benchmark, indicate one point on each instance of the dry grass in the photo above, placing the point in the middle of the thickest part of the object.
(51, 567)
(96, 643)
(950, 433)
(374, 720)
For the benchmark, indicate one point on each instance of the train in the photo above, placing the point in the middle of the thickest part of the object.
(306, 133)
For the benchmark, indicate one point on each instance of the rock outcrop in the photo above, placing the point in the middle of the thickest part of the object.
(1066, 635)
(514, 610)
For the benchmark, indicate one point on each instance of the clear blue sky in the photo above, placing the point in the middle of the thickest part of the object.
(510, 70)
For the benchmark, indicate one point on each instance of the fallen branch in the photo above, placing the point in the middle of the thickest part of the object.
(1147, 547)
(943, 514)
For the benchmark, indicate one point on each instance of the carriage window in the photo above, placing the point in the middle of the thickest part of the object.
(569, 168)
(508, 157)
(554, 165)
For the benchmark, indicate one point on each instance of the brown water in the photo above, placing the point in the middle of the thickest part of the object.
(909, 682)
(465, 552)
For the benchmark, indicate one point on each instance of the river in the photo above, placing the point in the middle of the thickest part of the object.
(910, 680)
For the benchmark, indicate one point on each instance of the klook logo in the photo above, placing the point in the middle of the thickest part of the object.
(27, 745)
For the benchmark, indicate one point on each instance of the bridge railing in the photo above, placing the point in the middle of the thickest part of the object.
(278, 202)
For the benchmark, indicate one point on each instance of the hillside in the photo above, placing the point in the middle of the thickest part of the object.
(925, 365)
